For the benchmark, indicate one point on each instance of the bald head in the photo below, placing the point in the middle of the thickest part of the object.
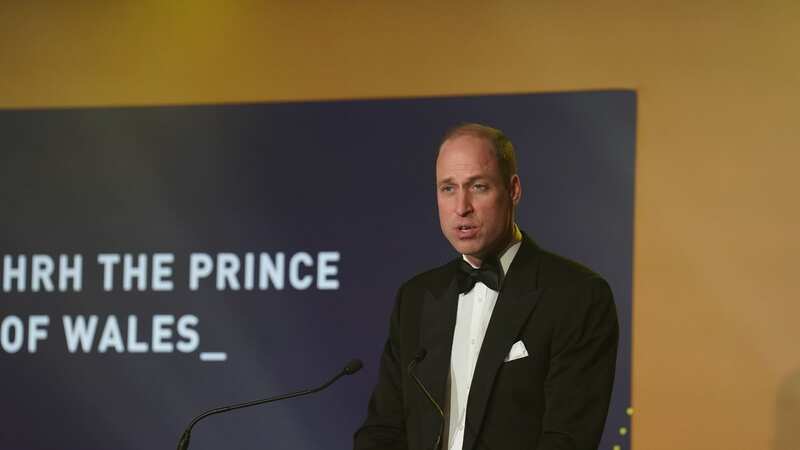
(498, 142)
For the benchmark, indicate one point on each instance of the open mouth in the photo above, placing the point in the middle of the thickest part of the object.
(466, 231)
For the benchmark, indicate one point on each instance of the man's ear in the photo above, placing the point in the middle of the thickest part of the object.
(515, 189)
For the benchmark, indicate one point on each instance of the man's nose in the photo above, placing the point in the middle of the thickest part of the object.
(463, 204)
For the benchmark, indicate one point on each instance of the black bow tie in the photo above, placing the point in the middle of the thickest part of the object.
(489, 274)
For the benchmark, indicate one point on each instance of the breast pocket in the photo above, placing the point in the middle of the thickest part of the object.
(522, 375)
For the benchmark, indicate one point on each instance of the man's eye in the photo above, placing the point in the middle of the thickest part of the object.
(480, 187)
(446, 188)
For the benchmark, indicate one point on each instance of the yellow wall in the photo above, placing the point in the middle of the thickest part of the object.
(716, 304)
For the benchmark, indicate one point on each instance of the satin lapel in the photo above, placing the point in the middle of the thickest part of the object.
(436, 337)
(515, 304)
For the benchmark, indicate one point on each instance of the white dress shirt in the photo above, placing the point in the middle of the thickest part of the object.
(474, 311)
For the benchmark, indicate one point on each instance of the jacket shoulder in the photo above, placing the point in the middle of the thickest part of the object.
(434, 279)
(557, 271)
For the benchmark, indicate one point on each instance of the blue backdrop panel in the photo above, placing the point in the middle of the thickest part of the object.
(337, 196)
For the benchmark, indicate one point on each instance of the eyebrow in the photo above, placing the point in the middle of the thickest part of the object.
(449, 180)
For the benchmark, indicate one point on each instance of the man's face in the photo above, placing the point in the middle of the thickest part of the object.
(476, 209)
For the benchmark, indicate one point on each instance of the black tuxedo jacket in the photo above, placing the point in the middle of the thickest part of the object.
(555, 398)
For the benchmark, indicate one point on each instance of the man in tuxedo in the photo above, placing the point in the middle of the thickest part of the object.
(506, 347)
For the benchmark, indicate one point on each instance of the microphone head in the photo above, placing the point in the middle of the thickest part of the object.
(353, 366)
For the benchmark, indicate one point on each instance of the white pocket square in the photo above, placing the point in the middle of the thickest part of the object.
(517, 351)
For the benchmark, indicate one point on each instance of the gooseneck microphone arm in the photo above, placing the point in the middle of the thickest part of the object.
(351, 368)
(417, 358)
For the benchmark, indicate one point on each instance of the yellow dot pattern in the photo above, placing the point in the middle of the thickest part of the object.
(623, 431)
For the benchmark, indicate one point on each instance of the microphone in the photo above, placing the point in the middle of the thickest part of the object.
(421, 353)
(352, 367)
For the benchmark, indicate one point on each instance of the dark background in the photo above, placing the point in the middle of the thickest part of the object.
(354, 177)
